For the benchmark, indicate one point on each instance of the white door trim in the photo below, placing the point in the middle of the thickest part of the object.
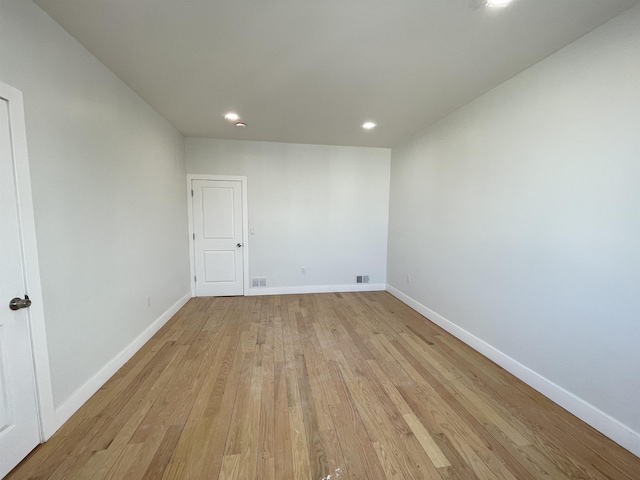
(30, 259)
(245, 226)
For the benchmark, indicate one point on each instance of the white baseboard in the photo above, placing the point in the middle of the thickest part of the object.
(356, 287)
(604, 423)
(91, 386)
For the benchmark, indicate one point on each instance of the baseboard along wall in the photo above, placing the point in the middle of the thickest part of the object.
(91, 386)
(362, 287)
(604, 423)
(591, 415)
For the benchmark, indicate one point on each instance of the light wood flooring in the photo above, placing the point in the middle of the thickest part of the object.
(311, 387)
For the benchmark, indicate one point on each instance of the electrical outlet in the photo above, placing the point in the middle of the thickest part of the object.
(303, 270)
(408, 278)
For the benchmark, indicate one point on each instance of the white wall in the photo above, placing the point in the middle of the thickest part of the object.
(320, 207)
(110, 206)
(518, 218)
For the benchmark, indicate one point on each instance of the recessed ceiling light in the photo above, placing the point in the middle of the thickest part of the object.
(232, 116)
(368, 125)
(241, 124)
(497, 3)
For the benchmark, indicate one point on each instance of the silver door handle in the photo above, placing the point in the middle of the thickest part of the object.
(18, 303)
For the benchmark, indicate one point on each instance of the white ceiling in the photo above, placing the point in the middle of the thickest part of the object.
(312, 71)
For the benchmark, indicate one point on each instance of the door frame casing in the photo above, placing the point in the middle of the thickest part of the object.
(31, 265)
(245, 227)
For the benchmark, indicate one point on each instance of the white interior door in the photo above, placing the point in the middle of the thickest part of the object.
(218, 237)
(19, 430)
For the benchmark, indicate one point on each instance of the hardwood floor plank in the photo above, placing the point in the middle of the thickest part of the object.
(316, 454)
(378, 423)
(360, 457)
(489, 415)
(428, 444)
(319, 387)
(189, 454)
(161, 458)
(241, 405)
(125, 460)
(389, 465)
(299, 447)
(229, 469)
(216, 419)
(251, 425)
(266, 429)
(283, 451)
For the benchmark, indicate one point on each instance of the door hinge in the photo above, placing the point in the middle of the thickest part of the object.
(194, 278)
(192, 192)
(194, 236)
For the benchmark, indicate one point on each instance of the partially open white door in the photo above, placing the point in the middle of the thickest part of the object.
(19, 430)
(218, 237)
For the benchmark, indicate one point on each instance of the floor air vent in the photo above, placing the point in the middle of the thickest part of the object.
(259, 282)
(362, 279)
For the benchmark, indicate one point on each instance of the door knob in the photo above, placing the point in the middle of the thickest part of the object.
(239, 245)
(18, 303)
